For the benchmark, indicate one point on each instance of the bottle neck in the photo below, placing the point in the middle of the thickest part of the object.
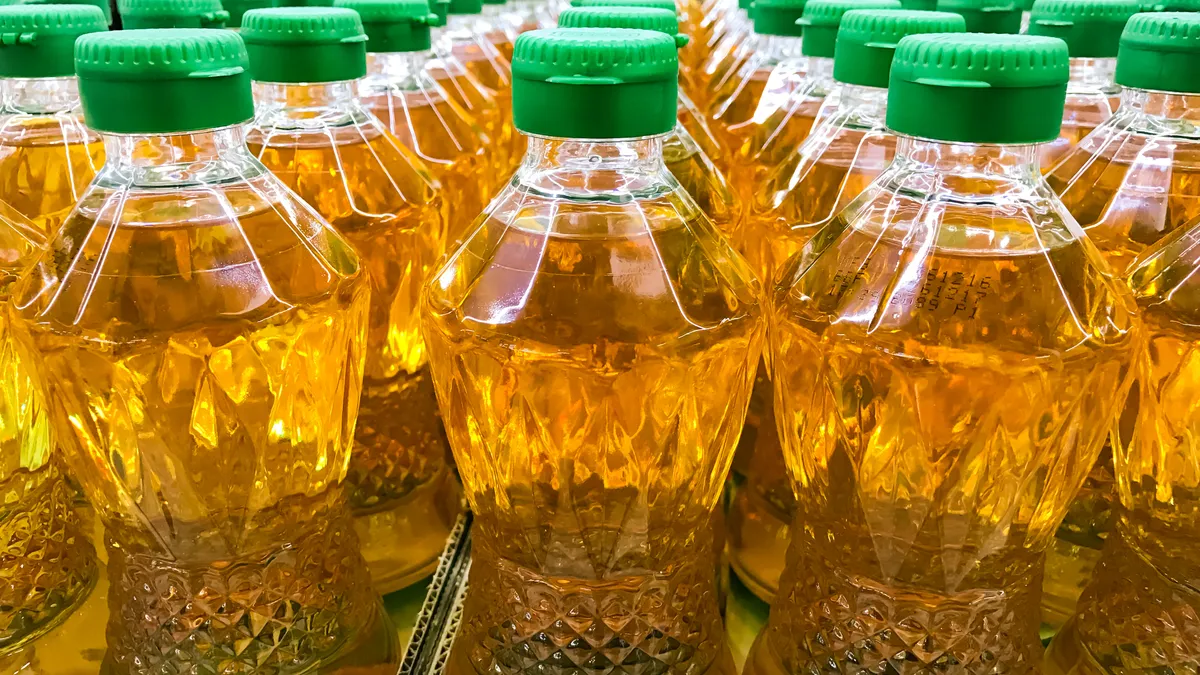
(781, 47)
(461, 25)
(494, 11)
(280, 104)
(1093, 76)
(1009, 163)
(41, 95)
(398, 67)
(628, 156)
(1163, 106)
(861, 106)
(164, 151)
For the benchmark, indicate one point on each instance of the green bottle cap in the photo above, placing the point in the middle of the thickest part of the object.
(237, 8)
(1171, 6)
(745, 4)
(163, 81)
(304, 3)
(597, 83)
(495, 2)
(305, 44)
(465, 6)
(1161, 51)
(986, 16)
(867, 39)
(172, 14)
(778, 17)
(821, 19)
(39, 40)
(1091, 28)
(395, 25)
(973, 88)
(641, 18)
(653, 4)
(921, 5)
(101, 4)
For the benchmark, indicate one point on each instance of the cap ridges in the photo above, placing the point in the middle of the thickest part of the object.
(39, 40)
(986, 16)
(821, 19)
(172, 14)
(102, 5)
(395, 25)
(640, 18)
(305, 44)
(1091, 28)
(867, 39)
(1160, 51)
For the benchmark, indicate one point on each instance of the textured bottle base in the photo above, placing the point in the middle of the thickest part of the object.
(403, 541)
(1069, 567)
(758, 541)
(516, 620)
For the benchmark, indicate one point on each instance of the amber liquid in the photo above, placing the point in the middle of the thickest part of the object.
(702, 181)
(482, 103)
(450, 145)
(593, 358)
(46, 162)
(1081, 116)
(372, 192)
(489, 67)
(939, 408)
(204, 356)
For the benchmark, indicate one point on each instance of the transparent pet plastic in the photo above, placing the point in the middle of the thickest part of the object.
(482, 103)
(1092, 97)
(948, 354)
(323, 144)
(469, 39)
(593, 345)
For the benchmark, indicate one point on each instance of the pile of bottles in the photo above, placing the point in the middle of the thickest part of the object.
(890, 306)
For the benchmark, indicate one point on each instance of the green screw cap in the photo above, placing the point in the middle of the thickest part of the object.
(237, 8)
(595, 83)
(920, 5)
(39, 40)
(1091, 28)
(986, 16)
(652, 4)
(745, 4)
(465, 6)
(867, 39)
(172, 14)
(304, 3)
(163, 81)
(1161, 51)
(640, 18)
(102, 5)
(1171, 6)
(395, 25)
(974, 88)
(778, 17)
(821, 19)
(495, 2)
(305, 44)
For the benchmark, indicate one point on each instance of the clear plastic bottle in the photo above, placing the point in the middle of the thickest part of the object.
(202, 331)
(501, 30)
(948, 354)
(399, 90)
(47, 155)
(137, 14)
(314, 134)
(1092, 31)
(1139, 610)
(844, 153)
(987, 16)
(762, 131)
(593, 345)
(687, 158)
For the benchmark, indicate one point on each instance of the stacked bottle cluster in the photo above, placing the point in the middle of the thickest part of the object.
(276, 299)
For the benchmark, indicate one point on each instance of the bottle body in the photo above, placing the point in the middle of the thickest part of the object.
(481, 103)
(322, 144)
(607, 501)
(47, 155)
(925, 383)
(206, 330)
(466, 37)
(1092, 97)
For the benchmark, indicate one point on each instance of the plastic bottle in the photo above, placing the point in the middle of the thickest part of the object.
(731, 45)
(1140, 606)
(839, 159)
(137, 14)
(501, 30)
(313, 133)
(203, 331)
(1092, 31)
(47, 155)
(465, 39)
(948, 354)
(761, 130)
(986, 16)
(593, 345)
(424, 117)
(687, 157)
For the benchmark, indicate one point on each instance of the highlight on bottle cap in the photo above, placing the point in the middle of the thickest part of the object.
(821, 19)
(238, 8)
(158, 81)
(595, 83)
(978, 88)
(39, 40)
(172, 14)
(102, 5)
(778, 17)
(305, 44)
(640, 18)
(867, 40)
(1091, 28)
(395, 25)
(986, 16)
(1161, 51)
(653, 4)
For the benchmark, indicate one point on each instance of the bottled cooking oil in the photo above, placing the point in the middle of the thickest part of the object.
(312, 132)
(172, 14)
(845, 152)
(501, 31)
(686, 157)
(986, 16)
(735, 44)
(773, 110)
(47, 155)
(202, 332)
(399, 90)
(948, 353)
(593, 345)
(1132, 186)
(1092, 31)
